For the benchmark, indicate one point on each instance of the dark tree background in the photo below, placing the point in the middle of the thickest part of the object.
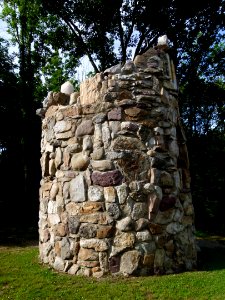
(52, 36)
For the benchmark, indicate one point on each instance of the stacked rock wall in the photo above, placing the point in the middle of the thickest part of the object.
(115, 192)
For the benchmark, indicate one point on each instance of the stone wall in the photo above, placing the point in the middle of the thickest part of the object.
(115, 189)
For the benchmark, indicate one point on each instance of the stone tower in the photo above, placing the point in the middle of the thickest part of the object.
(115, 189)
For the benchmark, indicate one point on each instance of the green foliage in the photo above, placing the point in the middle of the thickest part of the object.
(8, 84)
(24, 278)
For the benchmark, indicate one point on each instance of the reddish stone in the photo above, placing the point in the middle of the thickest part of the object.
(107, 178)
(115, 114)
(167, 203)
(114, 264)
(104, 232)
(155, 228)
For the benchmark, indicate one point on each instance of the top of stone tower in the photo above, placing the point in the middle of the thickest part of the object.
(163, 42)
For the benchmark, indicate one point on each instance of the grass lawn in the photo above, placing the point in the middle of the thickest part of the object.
(23, 277)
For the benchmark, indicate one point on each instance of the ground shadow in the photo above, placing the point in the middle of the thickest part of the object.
(211, 254)
(20, 237)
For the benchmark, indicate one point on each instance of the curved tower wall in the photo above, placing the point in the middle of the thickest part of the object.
(115, 189)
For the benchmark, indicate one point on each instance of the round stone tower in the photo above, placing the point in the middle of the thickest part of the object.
(115, 189)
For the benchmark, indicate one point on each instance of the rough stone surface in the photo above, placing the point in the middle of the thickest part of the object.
(109, 178)
(129, 262)
(114, 197)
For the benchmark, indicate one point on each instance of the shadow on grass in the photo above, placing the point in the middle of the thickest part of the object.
(211, 255)
(18, 237)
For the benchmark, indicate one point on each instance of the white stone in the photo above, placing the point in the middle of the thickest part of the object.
(162, 40)
(143, 236)
(54, 219)
(62, 126)
(52, 208)
(87, 143)
(78, 189)
(48, 148)
(67, 88)
(106, 137)
(58, 264)
(97, 244)
(122, 193)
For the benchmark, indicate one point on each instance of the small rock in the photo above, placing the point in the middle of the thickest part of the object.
(67, 88)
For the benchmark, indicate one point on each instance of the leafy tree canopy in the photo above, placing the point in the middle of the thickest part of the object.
(95, 27)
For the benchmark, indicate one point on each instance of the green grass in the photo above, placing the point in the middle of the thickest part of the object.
(23, 277)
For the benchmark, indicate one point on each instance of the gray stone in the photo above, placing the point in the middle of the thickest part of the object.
(88, 231)
(174, 228)
(65, 248)
(146, 247)
(130, 126)
(115, 127)
(73, 224)
(85, 128)
(159, 260)
(129, 262)
(95, 193)
(139, 211)
(124, 224)
(59, 264)
(113, 210)
(99, 118)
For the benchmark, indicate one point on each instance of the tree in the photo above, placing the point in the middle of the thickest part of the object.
(22, 20)
(132, 24)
